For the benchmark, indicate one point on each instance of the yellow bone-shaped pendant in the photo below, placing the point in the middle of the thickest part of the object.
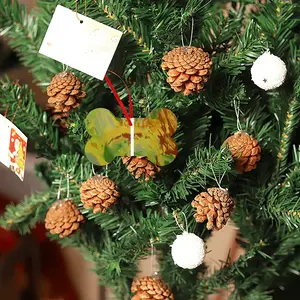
(111, 137)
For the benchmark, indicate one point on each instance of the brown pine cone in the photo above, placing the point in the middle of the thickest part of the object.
(64, 94)
(245, 151)
(99, 193)
(188, 69)
(215, 206)
(63, 218)
(140, 165)
(151, 288)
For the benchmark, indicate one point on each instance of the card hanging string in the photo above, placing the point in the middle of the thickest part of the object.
(175, 214)
(6, 111)
(81, 21)
(118, 98)
(192, 33)
(129, 116)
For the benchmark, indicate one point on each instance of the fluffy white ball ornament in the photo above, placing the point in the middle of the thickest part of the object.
(188, 250)
(268, 71)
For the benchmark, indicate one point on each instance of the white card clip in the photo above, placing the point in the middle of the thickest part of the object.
(132, 137)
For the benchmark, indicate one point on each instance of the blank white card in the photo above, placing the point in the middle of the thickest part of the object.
(81, 43)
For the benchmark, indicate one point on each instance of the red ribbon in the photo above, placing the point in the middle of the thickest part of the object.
(127, 116)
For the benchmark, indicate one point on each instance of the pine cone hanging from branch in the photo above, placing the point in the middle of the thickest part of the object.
(63, 218)
(64, 94)
(140, 166)
(245, 151)
(188, 69)
(215, 206)
(151, 288)
(99, 193)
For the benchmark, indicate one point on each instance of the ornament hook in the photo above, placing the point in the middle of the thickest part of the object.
(218, 182)
(93, 170)
(237, 111)
(181, 33)
(180, 225)
(68, 186)
(59, 188)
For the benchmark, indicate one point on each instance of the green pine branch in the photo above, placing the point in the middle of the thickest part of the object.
(243, 52)
(206, 165)
(224, 276)
(22, 110)
(25, 33)
(221, 96)
(290, 125)
(267, 207)
(283, 199)
(277, 21)
(116, 250)
(22, 217)
(127, 19)
(257, 122)
(217, 29)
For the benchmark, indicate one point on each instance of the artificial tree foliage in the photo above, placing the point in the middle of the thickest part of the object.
(267, 210)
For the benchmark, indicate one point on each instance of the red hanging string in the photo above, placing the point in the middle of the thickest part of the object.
(128, 92)
(127, 116)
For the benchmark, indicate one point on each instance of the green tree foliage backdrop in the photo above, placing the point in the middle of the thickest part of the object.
(267, 209)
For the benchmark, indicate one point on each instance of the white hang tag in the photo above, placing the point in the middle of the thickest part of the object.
(13, 147)
(81, 43)
(132, 137)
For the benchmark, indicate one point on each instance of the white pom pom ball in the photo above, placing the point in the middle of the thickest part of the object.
(268, 71)
(188, 250)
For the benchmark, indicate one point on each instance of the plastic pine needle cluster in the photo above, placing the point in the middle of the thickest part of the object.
(131, 206)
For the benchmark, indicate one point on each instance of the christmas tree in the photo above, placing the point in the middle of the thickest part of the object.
(219, 66)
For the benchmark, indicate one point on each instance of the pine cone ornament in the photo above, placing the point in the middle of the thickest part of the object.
(64, 94)
(140, 165)
(215, 206)
(99, 193)
(151, 289)
(188, 69)
(63, 218)
(245, 151)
